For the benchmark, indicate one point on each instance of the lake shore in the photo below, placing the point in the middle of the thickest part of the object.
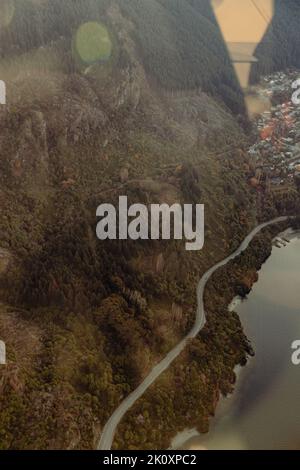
(228, 407)
(108, 432)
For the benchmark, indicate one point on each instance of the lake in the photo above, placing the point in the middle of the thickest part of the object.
(264, 410)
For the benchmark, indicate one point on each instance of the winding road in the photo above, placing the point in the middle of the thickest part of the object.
(107, 436)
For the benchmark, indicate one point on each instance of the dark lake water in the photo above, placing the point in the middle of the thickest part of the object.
(264, 410)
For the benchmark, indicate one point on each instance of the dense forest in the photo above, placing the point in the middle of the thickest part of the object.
(209, 359)
(279, 48)
(180, 43)
(158, 120)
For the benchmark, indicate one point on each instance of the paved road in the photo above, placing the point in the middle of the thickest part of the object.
(109, 429)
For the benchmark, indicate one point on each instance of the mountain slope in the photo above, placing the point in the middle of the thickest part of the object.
(153, 121)
(279, 48)
(180, 42)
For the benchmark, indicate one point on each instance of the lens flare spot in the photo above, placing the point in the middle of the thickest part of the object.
(93, 42)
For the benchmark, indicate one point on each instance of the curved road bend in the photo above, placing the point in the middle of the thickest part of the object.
(107, 436)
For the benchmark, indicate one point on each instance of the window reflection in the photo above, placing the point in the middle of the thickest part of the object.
(243, 25)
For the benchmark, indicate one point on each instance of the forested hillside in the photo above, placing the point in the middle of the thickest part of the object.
(84, 320)
(180, 42)
(183, 48)
(154, 114)
(279, 48)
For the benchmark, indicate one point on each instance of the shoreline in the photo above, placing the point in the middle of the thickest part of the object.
(107, 436)
(181, 440)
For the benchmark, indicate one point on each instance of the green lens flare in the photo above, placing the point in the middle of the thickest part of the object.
(93, 42)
